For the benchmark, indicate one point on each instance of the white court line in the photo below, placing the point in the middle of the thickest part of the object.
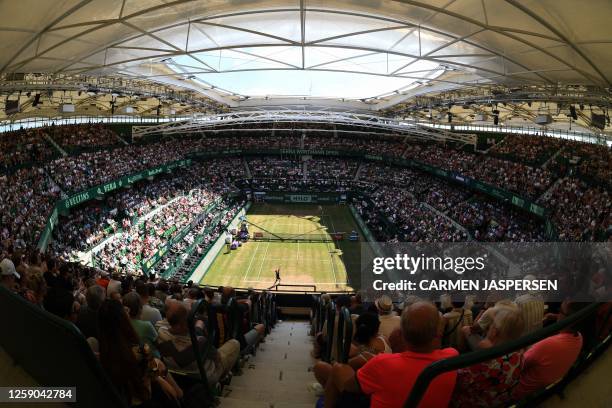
(298, 243)
(331, 255)
(296, 283)
(281, 225)
(246, 273)
(263, 260)
(286, 259)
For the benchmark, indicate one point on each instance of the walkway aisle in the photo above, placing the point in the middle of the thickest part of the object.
(278, 375)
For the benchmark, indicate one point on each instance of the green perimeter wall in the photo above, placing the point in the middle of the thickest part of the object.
(95, 192)
(62, 206)
(210, 255)
(300, 198)
(474, 184)
(375, 245)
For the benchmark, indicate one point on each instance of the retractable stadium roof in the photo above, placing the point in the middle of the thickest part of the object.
(362, 54)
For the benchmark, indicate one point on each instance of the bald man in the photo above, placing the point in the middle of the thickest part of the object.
(388, 378)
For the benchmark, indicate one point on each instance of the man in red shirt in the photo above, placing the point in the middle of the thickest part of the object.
(103, 280)
(548, 361)
(388, 378)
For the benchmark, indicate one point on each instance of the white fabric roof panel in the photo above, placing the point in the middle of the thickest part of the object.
(405, 43)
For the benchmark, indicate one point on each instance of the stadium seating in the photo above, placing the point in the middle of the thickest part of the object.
(173, 217)
(65, 346)
(47, 342)
(594, 346)
(76, 173)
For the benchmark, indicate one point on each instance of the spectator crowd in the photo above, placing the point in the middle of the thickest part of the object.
(579, 202)
(398, 340)
(138, 326)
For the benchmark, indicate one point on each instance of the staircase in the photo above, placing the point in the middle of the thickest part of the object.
(54, 184)
(13, 375)
(247, 169)
(546, 195)
(53, 143)
(451, 220)
(358, 172)
(501, 142)
(122, 140)
(278, 376)
(552, 158)
(406, 148)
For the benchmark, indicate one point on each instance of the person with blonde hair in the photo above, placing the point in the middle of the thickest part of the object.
(475, 334)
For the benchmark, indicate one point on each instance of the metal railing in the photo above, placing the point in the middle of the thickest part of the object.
(330, 317)
(566, 134)
(201, 307)
(451, 364)
(344, 337)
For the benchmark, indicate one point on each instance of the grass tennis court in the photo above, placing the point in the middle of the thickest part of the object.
(331, 266)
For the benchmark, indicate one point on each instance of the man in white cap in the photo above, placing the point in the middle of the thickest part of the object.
(389, 320)
(8, 274)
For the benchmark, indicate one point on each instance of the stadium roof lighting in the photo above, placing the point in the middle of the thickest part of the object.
(337, 50)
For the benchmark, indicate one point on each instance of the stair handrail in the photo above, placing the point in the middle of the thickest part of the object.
(344, 338)
(201, 306)
(330, 322)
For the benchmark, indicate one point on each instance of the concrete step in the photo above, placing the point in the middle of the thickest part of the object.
(271, 382)
(279, 375)
(279, 372)
(276, 396)
(295, 405)
(241, 403)
(303, 358)
(295, 311)
(296, 346)
(277, 365)
(297, 336)
(12, 375)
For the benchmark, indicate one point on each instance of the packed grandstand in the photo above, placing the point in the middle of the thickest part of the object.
(398, 193)
(128, 226)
